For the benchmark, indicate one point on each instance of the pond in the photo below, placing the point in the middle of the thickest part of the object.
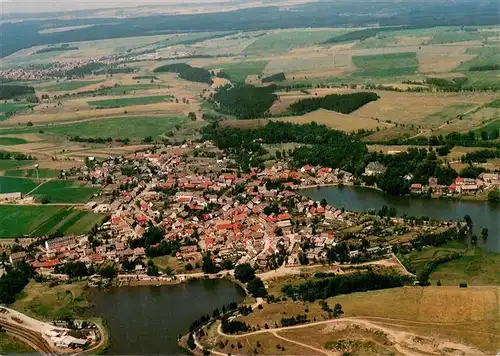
(148, 320)
(361, 199)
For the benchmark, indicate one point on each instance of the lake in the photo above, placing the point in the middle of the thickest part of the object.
(361, 199)
(148, 320)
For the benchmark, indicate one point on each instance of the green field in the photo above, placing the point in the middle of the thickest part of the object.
(418, 259)
(494, 104)
(491, 126)
(66, 191)
(286, 40)
(130, 89)
(484, 56)
(13, 185)
(70, 85)
(11, 141)
(383, 65)
(239, 71)
(475, 268)
(40, 220)
(43, 173)
(118, 103)
(451, 36)
(10, 163)
(69, 222)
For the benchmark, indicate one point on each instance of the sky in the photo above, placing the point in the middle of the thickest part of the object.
(33, 6)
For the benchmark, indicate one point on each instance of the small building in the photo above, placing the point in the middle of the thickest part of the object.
(17, 257)
(374, 169)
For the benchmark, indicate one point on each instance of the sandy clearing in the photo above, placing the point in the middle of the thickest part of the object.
(411, 108)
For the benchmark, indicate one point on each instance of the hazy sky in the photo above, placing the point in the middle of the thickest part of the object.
(9, 6)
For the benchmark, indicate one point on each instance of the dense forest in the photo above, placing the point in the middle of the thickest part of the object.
(324, 288)
(485, 68)
(13, 91)
(323, 146)
(14, 281)
(469, 139)
(245, 101)
(19, 35)
(187, 72)
(343, 103)
(278, 77)
(56, 49)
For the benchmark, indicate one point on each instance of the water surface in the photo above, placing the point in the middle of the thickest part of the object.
(361, 199)
(148, 320)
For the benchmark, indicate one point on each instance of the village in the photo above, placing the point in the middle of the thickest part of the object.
(201, 207)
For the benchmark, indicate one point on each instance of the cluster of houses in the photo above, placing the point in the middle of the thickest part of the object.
(245, 218)
(485, 181)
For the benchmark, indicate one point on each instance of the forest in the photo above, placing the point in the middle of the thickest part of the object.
(343, 103)
(324, 288)
(278, 77)
(245, 101)
(13, 91)
(187, 72)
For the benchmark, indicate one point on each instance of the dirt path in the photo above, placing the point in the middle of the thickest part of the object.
(406, 343)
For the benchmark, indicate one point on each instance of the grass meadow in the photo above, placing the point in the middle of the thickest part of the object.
(43, 173)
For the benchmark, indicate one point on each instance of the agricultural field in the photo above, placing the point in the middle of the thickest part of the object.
(40, 220)
(239, 71)
(9, 164)
(130, 88)
(65, 191)
(43, 173)
(11, 141)
(383, 65)
(483, 56)
(285, 40)
(13, 185)
(121, 102)
(343, 122)
(70, 85)
(6, 107)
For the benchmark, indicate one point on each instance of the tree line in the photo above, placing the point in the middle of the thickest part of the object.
(324, 288)
(185, 71)
(16, 156)
(278, 77)
(343, 103)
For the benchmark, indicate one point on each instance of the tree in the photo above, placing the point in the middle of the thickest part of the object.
(152, 269)
(337, 310)
(323, 202)
(468, 221)
(148, 139)
(439, 283)
(494, 196)
(244, 273)
(108, 272)
(256, 288)
(209, 266)
(192, 116)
